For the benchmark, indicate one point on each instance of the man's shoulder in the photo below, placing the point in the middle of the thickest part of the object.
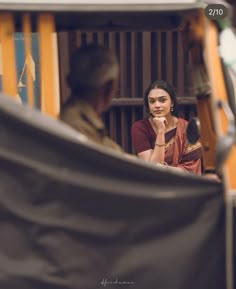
(72, 114)
(81, 117)
(68, 113)
(75, 107)
(108, 142)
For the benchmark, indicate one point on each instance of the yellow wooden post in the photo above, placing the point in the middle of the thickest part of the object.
(29, 65)
(9, 84)
(49, 100)
(216, 77)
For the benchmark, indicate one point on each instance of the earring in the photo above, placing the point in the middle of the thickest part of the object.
(172, 108)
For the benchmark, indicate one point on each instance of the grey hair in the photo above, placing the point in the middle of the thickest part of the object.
(91, 66)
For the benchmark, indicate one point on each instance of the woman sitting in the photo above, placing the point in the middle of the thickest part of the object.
(160, 138)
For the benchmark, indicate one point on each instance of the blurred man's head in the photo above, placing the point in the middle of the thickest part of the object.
(93, 74)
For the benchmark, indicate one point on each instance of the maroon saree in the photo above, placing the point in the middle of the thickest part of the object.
(178, 152)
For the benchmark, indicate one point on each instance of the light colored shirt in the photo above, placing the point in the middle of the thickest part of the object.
(82, 117)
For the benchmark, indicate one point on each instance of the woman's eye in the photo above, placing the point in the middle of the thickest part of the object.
(151, 101)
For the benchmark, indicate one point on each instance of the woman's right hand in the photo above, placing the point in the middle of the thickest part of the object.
(160, 123)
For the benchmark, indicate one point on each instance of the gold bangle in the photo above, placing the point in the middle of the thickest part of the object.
(160, 145)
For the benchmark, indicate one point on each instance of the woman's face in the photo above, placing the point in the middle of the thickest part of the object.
(159, 102)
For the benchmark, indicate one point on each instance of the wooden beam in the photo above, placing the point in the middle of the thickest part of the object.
(122, 101)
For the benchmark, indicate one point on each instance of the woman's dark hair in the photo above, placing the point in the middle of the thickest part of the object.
(165, 86)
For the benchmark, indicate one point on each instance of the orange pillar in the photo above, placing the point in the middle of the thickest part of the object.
(49, 102)
(9, 85)
(219, 92)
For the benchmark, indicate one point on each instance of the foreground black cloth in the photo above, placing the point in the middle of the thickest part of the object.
(73, 216)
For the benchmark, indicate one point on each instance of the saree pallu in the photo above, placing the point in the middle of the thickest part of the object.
(179, 153)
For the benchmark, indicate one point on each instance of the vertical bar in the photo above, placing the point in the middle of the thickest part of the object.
(112, 41)
(181, 112)
(128, 64)
(113, 112)
(78, 39)
(133, 116)
(29, 64)
(49, 102)
(9, 85)
(163, 55)
(180, 66)
(186, 111)
(89, 37)
(72, 40)
(192, 112)
(174, 58)
(113, 124)
(95, 37)
(146, 59)
(100, 38)
(123, 62)
(133, 65)
(63, 63)
(154, 51)
(112, 46)
(133, 119)
(159, 56)
(169, 60)
(123, 128)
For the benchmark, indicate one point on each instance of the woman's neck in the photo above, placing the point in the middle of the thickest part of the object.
(171, 122)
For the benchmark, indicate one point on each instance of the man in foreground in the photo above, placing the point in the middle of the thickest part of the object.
(92, 78)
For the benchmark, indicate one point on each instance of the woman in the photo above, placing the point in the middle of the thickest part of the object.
(161, 137)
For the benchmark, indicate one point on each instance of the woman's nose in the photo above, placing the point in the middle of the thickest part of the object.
(157, 104)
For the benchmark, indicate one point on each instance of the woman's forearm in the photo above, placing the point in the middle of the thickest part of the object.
(158, 153)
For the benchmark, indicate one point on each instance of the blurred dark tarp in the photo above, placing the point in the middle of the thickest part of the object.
(73, 216)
